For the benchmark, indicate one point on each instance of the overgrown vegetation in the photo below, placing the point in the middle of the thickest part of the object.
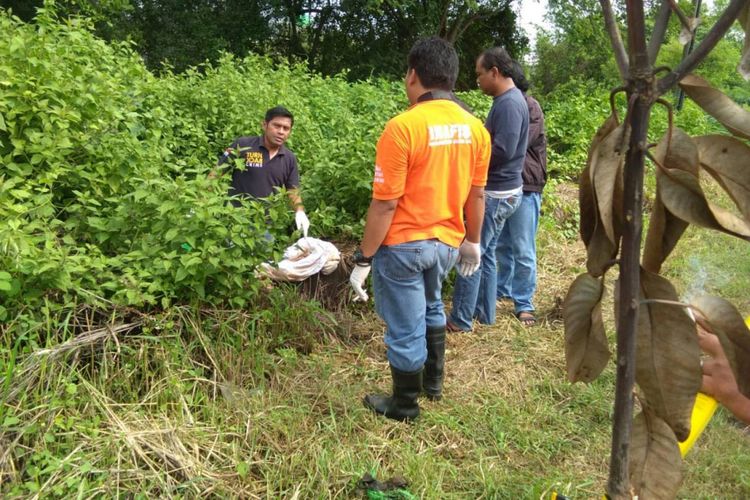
(142, 358)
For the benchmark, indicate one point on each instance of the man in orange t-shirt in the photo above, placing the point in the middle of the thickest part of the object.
(425, 216)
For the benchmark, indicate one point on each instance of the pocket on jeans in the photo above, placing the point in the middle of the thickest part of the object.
(400, 262)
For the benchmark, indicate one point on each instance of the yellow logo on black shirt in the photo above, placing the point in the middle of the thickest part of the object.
(254, 159)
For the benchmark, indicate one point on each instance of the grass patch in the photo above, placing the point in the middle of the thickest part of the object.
(266, 403)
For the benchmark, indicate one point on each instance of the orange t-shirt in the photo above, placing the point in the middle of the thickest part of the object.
(429, 157)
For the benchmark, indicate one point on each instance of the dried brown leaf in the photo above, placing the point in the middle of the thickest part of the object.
(727, 160)
(586, 198)
(667, 355)
(664, 231)
(655, 462)
(586, 349)
(714, 102)
(727, 323)
(680, 191)
(606, 176)
(600, 252)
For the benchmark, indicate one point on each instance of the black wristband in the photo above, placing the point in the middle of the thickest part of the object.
(359, 259)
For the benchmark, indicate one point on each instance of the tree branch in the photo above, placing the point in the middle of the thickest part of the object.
(683, 18)
(709, 42)
(458, 32)
(660, 29)
(621, 57)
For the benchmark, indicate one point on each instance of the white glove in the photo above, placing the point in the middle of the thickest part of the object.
(357, 279)
(303, 223)
(469, 258)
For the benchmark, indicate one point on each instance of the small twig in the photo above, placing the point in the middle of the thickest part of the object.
(631, 104)
(670, 121)
(681, 15)
(689, 307)
(655, 161)
(612, 95)
(610, 23)
(709, 42)
(660, 29)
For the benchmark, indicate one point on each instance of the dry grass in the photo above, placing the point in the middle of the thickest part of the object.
(206, 404)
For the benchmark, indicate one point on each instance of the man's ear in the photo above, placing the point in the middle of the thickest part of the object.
(411, 76)
(264, 125)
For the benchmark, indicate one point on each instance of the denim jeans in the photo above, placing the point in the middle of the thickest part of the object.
(407, 280)
(474, 296)
(516, 254)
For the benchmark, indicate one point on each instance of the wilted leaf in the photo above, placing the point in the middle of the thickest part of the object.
(606, 176)
(600, 252)
(727, 324)
(687, 31)
(586, 350)
(727, 160)
(586, 198)
(744, 20)
(667, 355)
(727, 112)
(681, 193)
(655, 462)
(664, 231)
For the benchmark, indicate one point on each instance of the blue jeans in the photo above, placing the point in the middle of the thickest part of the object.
(516, 254)
(407, 280)
(474, 296)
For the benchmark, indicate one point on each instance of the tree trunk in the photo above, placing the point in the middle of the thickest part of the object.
(641, 98)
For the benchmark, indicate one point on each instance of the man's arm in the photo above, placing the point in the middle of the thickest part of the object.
(379, 218)
(718, 378)
(225, 157)
(474, 213)
(295, 199)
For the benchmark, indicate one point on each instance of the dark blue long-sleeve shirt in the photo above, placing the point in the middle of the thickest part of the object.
(508, 125)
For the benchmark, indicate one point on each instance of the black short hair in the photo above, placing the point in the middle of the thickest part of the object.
(519, 77)
(278, 111)
(497, 57)
(436, 63)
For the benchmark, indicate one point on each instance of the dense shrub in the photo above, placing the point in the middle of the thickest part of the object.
(103, 189)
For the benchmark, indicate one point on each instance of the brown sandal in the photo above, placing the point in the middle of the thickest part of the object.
(526, 318)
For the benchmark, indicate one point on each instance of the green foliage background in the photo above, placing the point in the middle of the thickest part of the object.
(104, 188)
(108, 219)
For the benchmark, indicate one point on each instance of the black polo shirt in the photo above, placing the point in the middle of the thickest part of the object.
(261, 175)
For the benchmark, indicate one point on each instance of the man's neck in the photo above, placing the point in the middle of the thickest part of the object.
(272, 150)
(503, 86)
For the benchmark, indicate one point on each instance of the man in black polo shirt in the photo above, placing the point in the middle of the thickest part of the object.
(268, 164)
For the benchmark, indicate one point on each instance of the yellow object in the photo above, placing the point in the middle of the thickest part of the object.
(704, 409)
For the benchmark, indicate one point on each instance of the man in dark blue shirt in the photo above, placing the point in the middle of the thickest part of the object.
(268, 164)
(508, 125)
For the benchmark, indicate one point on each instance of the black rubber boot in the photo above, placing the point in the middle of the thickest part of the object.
(402, 405)
(434, 367)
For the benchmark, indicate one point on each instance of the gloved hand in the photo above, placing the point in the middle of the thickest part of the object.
(357, 280)
(303, 223)
(469, 258)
